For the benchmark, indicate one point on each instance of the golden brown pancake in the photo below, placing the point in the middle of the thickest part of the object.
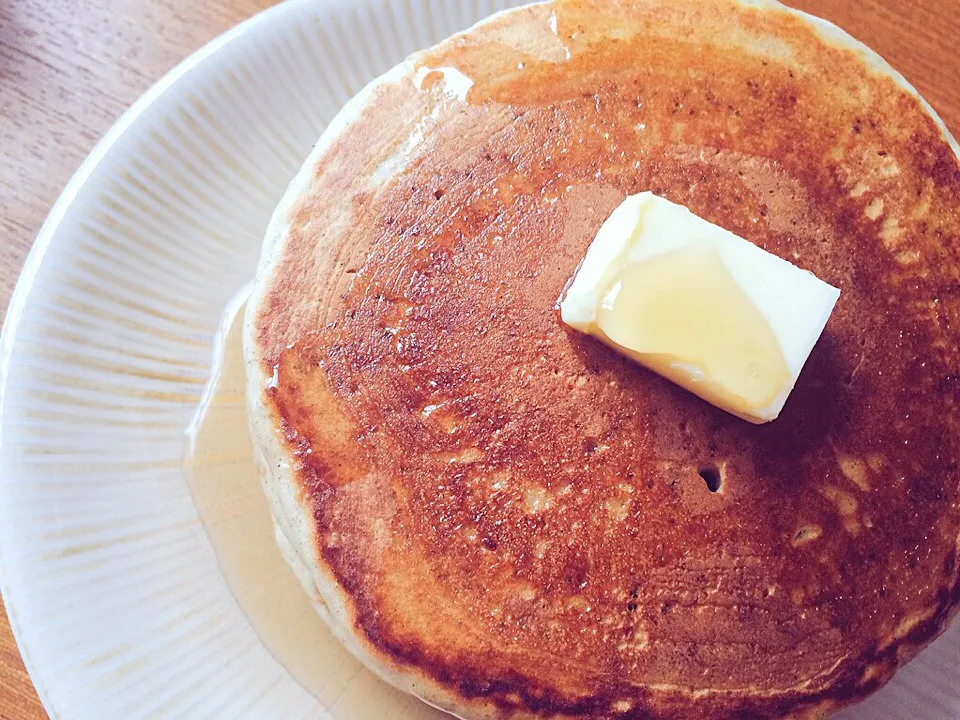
(508, 518)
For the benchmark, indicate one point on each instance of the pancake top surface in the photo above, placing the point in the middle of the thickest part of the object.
(515, 509)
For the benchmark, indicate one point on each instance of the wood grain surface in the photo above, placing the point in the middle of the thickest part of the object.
(68, 69)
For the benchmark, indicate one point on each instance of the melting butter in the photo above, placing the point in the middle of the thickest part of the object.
(683, 314)
(699, 305)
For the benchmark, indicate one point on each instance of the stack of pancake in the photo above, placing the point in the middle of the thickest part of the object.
(509, 519)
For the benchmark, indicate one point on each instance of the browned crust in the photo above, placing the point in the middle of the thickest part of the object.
(446, 426)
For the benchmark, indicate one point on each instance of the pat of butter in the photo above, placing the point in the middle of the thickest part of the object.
(699, 305)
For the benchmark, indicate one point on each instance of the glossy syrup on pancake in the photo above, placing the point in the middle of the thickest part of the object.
(543, 538)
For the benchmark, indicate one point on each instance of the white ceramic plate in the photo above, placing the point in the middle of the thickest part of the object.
(110, 579)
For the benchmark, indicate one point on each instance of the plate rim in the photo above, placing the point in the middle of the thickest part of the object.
(44, 238)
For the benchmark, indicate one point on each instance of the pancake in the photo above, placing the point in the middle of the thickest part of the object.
(509, 519)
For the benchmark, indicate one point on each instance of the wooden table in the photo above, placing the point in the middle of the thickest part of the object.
(68, 69)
